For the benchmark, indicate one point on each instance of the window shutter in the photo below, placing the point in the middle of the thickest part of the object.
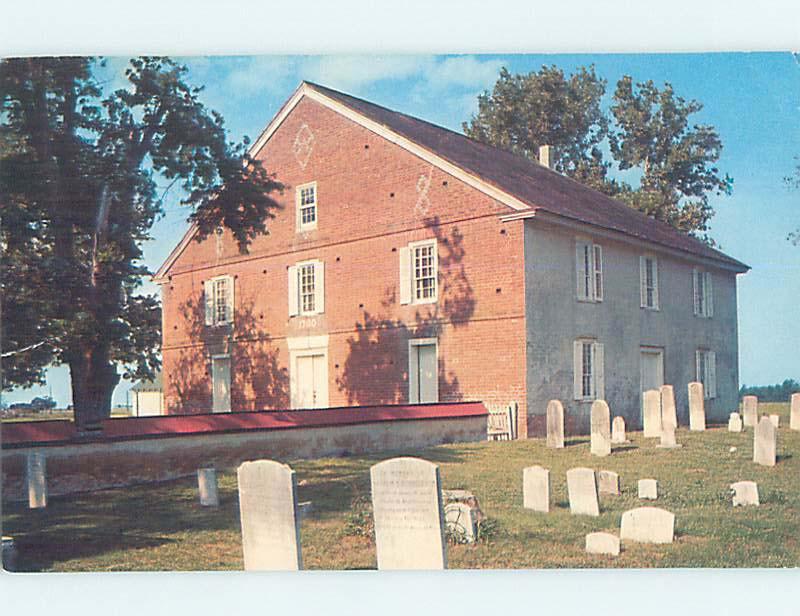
(698, 360)
(598, 367)
(208, 293)
(696, 291)
(229, 296)
(655, 284)
(709, 293)
(642, 282)
(711, 371)
(405, 275)
(319, 286)
(598, 273)
(580, 270)
(577, 368)
(293, 303)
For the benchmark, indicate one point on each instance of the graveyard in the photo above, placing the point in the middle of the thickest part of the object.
(162, 526)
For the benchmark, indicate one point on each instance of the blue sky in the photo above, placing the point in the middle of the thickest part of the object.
(753, 99)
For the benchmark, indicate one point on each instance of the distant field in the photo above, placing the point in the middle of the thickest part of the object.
(57, 414)
(162, 527)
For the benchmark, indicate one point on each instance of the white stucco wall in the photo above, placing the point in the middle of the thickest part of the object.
(555, 318)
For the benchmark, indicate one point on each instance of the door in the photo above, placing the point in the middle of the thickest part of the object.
(423, 371)
(312, 382)
(652, 370)
(221, 384)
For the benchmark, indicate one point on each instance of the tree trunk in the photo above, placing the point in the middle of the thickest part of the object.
(94, 378)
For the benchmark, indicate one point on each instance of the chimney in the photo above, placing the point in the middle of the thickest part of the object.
(546, 156)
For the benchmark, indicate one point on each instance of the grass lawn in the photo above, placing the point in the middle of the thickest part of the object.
(162, 527)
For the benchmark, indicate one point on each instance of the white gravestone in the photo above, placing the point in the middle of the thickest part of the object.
(602, 543)
(601, 428)
(608, 483)
(776, 420)
(765, 438)
(555, 424)
(669, 413)
(735, 423)
(647, 525)
(459, 518)
(407, 505)
(697, 409)
(668, 438)
(37, 480)
(207, 487)
(536, 488)
(794, 417)
(582, 491)
(750, 411)
(652, 413)
(618, 431)
(648, 488)
(268, 510)
(744, 493)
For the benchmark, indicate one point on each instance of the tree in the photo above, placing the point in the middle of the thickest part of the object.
(524, 112)
(79, 195)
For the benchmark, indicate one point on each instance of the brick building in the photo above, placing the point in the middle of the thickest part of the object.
(411, 264)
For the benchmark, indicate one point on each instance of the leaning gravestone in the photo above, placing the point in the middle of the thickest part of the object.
(652, 413)
(582, 490)
(207, 487)
(601, 428)
(37, 480)
(608, 483)
(794, 417)
(647, 525)
(268, 510)
(459, 518)
(750, 411)
(602, 543)
(765, 439)
(744, 493)
(669, 414)
(536, 489)
(735, 423)
(555, 424)
(697, 409)
(407, 506)
(618, 431)
(648, 488)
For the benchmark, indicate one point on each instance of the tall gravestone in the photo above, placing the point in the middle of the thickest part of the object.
(407, 507)
(776, 420)
(268, 510)
(647, 525)
(600, 428)
(668, 438)
(207, 487)
(794, 413)
(555, 424)
(735, 422)
(765, 439)
(536, 488)
(652, 413)
(582, 491)
(750, 411)
(669, 413)
(697, 409)
(618, 431)
(36, 472)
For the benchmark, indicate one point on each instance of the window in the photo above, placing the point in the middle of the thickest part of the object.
(703, 294)
(589, 381)
(419, 273)
(589, 271)
(307, 288)
(306, 198)
(707, 372)
(648, 278)
(219, 300)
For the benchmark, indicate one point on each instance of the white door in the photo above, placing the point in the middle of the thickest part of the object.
(652, 370)
(312, 382)
(221, 384)
(423, 374)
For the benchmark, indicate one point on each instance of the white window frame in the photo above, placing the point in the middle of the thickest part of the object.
(644, 287)
(211, 299)
(706, 372)
(408, 277)
(413, 367)
(589, 271)
(594, 389)
(295, 288)
(702, 293)
(299, 207)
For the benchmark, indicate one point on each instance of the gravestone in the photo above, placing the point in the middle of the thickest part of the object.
(466, 497)
(750, 411)
(536, 488)
(744, 493)
(647, 525)
(618, 431)
(668, 438)
(407, 507)
(794, 417)
(268, 511)
(697, 409)
(608, 482)
(735, 423)
(765, 438)
(652, 413)
(555, 424)
(459, 519)
(601, 428)
(669, 413)
(36, 472)
(776, 420)
(648, 488)
(602, 543)
(207, 487)
(9, 554)
(582, 490)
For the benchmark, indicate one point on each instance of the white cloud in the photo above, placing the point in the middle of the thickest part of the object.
(352, 73)
(463, 72)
